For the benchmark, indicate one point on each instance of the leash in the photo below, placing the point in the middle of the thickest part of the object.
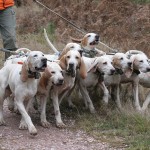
(71, 23)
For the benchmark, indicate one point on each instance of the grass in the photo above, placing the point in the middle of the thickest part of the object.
(127, 129)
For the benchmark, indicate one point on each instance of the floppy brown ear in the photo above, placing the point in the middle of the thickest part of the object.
(83, 71)
(84, 42)
(45, 75)
(115, 63)
(62, 62)
(76, 40)
(24, 73)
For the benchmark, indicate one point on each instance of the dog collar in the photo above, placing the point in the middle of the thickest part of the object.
(136, 72)
(31, 74)
(89, 53)
(118, 71)
(35, 75)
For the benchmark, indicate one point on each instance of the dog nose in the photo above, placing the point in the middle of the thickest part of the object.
(148, 69)
(71, 65)
(97, 37)
(44, 60)
(61, 81)
(129, 64)
(112, 71)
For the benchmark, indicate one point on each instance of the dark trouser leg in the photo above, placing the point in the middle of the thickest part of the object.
(8, 29)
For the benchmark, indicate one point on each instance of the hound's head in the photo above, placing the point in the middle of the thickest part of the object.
(36, 61)
(89, 41)
(71, 61)
(54, 71)
(71, 46)
(140, 62)
(120, 61)
(103, 65)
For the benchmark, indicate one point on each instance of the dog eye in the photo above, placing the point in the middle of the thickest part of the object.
(53, 72)
(68, 56)
(141, 60)
(62, 72)
(121, 58)
(89, 35)
(35, 56)
(77, 57)
(72, 47)
(105, 63)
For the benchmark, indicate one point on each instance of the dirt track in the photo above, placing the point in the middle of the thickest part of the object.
(11, 138)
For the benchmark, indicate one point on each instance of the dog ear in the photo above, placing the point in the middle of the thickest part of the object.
(24, 73)
(116, 63)
(47, 72)
(83, 71)
(84, 42)
(62, 62)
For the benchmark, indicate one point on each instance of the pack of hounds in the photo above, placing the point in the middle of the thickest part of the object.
(30, 74)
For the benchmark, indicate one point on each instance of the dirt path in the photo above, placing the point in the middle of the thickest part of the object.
(11, 138)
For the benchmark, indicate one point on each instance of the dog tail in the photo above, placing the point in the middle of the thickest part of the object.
(50, 43)
(75, 40)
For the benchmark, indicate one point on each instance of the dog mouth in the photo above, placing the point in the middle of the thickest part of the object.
(71, 72)
(57, 84)
(118, 71)
(42, 68)
(94, 42)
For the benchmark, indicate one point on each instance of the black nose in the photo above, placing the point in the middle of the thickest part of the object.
(44, 60)
(60, 81)
(148, 69)
(112, 71)
(97, 37)
(71, 65)
(129, 64)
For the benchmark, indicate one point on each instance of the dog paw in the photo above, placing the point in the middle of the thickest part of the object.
(60, 125)
(45, 124)
(33, 131)
(23, 126)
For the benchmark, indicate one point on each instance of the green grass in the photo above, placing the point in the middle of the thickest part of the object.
(129, 129)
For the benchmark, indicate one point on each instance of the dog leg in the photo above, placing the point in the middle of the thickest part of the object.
(146, 102)
(87, 98)
(10, 101)
(26, 117)
(118, 97)
(106, 92)
(2, 93)
(54, 97)
(136, 96)
(43, 103)
(2, 122)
